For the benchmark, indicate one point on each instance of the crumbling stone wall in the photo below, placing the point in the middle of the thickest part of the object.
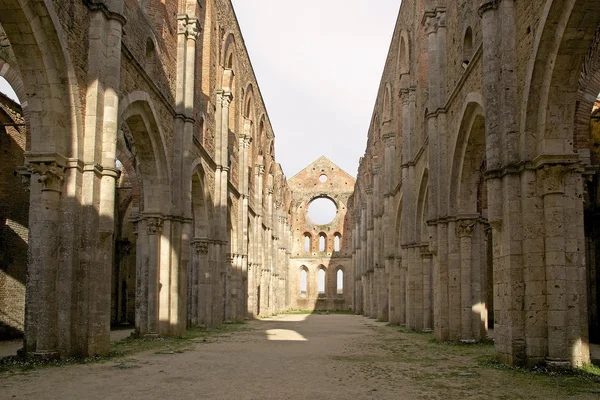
(155, 198)
(321, 179)
(13, 220)
(481, 165)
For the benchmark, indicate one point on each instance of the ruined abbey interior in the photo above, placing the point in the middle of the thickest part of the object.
(139, 184)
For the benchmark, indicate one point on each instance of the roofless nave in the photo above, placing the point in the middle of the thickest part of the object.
(154, 197)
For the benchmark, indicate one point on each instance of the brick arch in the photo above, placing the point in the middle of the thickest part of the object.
(399, 226)
(404, 60)
(387, 107)
(552, 85)
(137, 111)
(49, 82)
(589, 88)
(422, 207)
(131, 174)
(201, 203)
(229, 48)
(473, 113)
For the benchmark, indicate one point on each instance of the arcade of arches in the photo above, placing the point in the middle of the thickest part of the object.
(138, 181)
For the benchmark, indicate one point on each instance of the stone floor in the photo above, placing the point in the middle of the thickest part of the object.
(301, 357)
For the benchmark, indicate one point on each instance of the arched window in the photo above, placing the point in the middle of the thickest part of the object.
(467, 47)
(322, 242)
(337, 239)
(321, 281)
(339, 286)
(307, 238)
(303, 281)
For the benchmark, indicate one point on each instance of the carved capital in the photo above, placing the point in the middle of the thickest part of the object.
(389, 139)
(434, 19)
(201, 246)
(51, 175)
(260, 169)
(269, 189)
(154, 225)
(188, 26)
(229, 258)
(552, 179)
(245, 141)
(464, 228)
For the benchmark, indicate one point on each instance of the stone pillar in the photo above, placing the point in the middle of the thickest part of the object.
(202, 284)
(41, 335)
(154, 226)
(427, 289)
(465, 232)
(565, 266)
(188, 29)
(394, 294)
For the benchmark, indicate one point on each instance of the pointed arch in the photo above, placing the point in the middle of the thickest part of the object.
(54, 114)
(137, 111)
(422, 234)
(470, 131)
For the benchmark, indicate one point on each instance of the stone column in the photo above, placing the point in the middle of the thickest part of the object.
(465, 232)
(202, 293)
(188, 30)
(41, 337)
(427, 289)
(154, 226)
(565, 276)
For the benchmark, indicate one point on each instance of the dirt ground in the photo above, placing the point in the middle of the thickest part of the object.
(301, 357)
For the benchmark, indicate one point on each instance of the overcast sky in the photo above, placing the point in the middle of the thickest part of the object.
(318, 64)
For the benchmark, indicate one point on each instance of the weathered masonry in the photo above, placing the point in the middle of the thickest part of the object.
(138, 181)
(320, 274)
(154, 196)
(483, 151)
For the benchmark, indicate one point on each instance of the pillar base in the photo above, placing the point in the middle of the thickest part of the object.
(151, 336)
(558, 363)
(45, 355)
(468, 341)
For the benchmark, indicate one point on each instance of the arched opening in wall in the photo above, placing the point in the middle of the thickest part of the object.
(321, 281)
(403, 55)
(322, 242)
(339, 284)
(140, 202)
(570, 89)
(587, 145)
(387, 104)
(124, 270)
(473, 230)
(32, 41)
(322, 210)
(200, 276)
(150, 56)
(337, 240)
(14, 215)
(307, 242)
(467, 48)
(303, 284)
(127, 208)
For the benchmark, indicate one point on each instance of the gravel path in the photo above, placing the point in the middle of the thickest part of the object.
(295, 357)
